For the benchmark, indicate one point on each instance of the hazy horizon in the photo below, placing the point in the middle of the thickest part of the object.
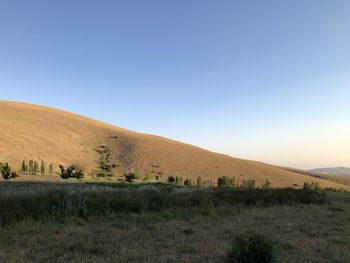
(263, 81)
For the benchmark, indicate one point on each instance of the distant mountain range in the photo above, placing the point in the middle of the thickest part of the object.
(332, 171)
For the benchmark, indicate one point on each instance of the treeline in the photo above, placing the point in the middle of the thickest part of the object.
(34, 168)
(222, 182)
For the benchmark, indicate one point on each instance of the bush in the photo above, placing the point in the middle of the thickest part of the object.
(71, 172)
(149, 176)
(251, 248)
(104, 163)
(225, 181)
(313, 186)
(130, 177)
(51, 169)
(249, 184)
(200, 182)
(36, 167)
(171, 179)
(266, 185)
(7, 172)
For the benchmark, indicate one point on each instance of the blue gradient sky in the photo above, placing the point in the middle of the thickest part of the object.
(265, 80)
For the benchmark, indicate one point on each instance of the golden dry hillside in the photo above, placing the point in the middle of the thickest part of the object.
(55, 136)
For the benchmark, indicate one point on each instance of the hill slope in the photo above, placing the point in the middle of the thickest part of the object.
(55, 136)
(332, 171)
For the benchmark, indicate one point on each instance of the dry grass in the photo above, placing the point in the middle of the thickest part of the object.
(301, 233)
(41, 133)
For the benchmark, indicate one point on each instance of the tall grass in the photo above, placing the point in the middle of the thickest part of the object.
(59, 202)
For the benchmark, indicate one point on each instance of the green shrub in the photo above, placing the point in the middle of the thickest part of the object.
(31, 167)
(130, 177)
(313, 186)
(51, 169)
(36, 167)
(248, 184)
(7, 172)
(71, 172)
(266, 185)
(171, 179)
(149, 177)
(23, 167)
(42, 167)
(225, 181)
(200, 182)
(104, 163)
(251, 248)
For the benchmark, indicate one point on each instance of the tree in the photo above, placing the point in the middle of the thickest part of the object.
(31, 167)
(71, 172)
(211, 184)
(266, 185)
(51, 169)
(313, 186)
(42, 167)
(225, 181)
(7, 172)
(104, 162)
(26, 168)
(249, 184)
(200, 182)
(130, 177)
(78, 173)
(23, 167)
(36, 167)
(171, 179)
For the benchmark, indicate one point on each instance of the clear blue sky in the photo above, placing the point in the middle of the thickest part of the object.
(265, 80)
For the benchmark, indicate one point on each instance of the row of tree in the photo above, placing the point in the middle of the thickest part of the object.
(76, 172)
(223, 181)
(176, 180)
(33, 168)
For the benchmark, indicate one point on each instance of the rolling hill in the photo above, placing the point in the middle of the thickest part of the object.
(342, 171)
(42, 133)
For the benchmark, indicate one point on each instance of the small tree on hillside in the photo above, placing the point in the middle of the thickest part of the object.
(23, 167)
(71, 172)
(188, 182)
(31, 167)
(42, 167)
(225, 181)
(266, 185)
(36, 167)
(181, 181)
(51, 169)
(104, 162)
(171, 179)
(200, 182)
(249, 184)
(130, 177)
(7, 172)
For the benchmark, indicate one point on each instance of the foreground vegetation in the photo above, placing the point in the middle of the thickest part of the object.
(43, 222)
(59, 203)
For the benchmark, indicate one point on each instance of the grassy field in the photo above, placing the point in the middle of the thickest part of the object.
(50, 222)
